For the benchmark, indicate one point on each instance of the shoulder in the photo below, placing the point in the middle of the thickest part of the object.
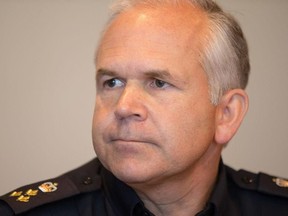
(245, 193)
(82, 180)
(259, 182)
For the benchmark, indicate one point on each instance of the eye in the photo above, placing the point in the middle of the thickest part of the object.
(159, 84)
(113, 83)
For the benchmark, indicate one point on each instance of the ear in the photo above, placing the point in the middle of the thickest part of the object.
(229, 114)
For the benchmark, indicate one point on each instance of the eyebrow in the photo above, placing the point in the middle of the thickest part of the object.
(103, 72)
(161, 74)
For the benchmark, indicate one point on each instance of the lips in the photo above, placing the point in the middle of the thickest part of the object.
(128, 147)
(125, 134)
(135, 139)
(128, 141)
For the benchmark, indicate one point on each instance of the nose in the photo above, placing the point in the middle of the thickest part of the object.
(131, 105)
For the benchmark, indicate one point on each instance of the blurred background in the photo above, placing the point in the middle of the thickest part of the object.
(47, 87)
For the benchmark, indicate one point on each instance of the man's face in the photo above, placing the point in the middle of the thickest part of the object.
(153, 118)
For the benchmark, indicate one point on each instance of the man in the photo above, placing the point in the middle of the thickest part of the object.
(170, 95)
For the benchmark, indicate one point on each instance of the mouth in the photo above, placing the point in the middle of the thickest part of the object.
(128, 142)
(130, 139)
(128, 146)
(136, 140)
(131, 142)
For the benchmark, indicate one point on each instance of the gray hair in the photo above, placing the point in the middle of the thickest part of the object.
(224, 57)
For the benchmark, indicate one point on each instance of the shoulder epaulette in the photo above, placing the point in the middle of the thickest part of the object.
(260, 182)
(81, 180)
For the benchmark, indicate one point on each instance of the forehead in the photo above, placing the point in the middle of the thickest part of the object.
(161, 31)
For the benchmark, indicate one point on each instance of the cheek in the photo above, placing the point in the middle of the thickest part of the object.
(192, 130)
(103, 110)
(101, 120)
(189, 143)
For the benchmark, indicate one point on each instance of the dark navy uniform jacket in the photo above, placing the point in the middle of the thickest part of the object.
(92, 190)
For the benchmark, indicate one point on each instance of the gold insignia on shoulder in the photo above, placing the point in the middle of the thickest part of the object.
(281, 182)
(31, 192)
(26, 197)
(48, 187)
(16, 194)
(23, 198)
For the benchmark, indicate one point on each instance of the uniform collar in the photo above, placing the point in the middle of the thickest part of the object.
(220, 196)
(125, 201)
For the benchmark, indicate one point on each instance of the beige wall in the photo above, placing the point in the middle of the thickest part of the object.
(47, 87)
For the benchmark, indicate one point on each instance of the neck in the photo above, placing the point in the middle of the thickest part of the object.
(184, 194)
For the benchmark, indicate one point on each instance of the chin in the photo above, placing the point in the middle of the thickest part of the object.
(132, 173)
(131, 179)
